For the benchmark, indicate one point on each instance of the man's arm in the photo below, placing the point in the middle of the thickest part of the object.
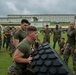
(15, 42)
(18, 57)
(16, 39)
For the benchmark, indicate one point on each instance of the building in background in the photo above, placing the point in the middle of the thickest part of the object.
(38, 20)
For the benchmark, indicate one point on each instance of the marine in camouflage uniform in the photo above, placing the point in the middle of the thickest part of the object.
(22, 58)
(11, 46)
(20, 68)
(8, 40)
(71, 46)
(8, 36)
(56, 36)
(47, 33)
(4, 37)
(21, 33)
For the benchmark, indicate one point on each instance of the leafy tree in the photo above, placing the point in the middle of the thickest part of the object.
(35, 19)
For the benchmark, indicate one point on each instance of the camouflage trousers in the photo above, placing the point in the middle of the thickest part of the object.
(69, 50)
(55, 40)
(15, 70)
(46, 39)
(11, 47)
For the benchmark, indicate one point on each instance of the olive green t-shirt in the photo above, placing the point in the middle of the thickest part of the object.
(47, 32)
(20, 35)
(57, 33)
(71, 36)
(25, 47)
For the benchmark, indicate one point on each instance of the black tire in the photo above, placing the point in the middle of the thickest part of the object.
(47, 62)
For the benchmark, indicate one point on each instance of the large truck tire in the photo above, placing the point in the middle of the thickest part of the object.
(47, 62)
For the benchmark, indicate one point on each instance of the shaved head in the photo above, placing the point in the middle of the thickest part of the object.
(72, 25)
(72, 22)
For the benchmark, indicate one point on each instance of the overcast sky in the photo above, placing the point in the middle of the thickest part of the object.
(37, 7)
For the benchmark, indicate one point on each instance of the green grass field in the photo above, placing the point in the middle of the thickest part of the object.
(62, 24)
(6, 60)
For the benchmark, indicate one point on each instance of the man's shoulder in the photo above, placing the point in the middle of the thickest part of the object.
(23, 45)
(18, 32)
(23, 42)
